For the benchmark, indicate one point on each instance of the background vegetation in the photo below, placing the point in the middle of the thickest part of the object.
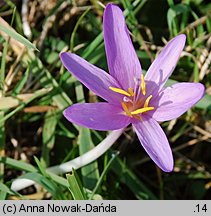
(35, 89)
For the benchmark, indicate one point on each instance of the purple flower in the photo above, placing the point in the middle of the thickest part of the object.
(131, 97)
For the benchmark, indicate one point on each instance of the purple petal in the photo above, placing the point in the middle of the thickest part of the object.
(164, 64)
(91, 76)
(176, 100)
(97, 116)
(123, 62)
(155, 143)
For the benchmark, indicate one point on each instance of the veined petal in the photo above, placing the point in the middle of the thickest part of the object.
(91, 76)
(123, 62)
(177, 99)
(97, 116)
(164, 64)
(155, 143)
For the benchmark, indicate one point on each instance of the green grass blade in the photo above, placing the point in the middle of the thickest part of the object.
(3, 195)
(76, 188)
(48, 137)
(172, 13)
(4, 188)
(20, 165)
(40, 166)
(21, 83)
(102, 175)
(76, 27)
(17, 164)
(131, 180)
(205, 102)
(3, 64)
(2, 145)
(92, 46)
(59, 97)
(90, 172)
(47, 183)
(13, 34)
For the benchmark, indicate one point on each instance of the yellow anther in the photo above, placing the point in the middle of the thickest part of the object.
(124, 106)
(130, 90)
(147, 101)
(143, 85)
(120, 91)
(142, 110)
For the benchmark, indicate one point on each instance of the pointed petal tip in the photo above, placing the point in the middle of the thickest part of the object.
(167, 164)
(180, 40)
(177, 99)
(123, 63)
(163, 66)
(201, 88)
(66, 113)
(64, 55)
(155, 143)
(168, 167)
(181, 37)
(200, 91)
(111, 5)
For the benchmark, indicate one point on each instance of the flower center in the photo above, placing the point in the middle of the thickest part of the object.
(133, 101)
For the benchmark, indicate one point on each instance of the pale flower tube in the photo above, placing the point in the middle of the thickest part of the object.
(76, 163)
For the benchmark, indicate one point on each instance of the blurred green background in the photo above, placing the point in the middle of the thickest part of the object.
(35, 89)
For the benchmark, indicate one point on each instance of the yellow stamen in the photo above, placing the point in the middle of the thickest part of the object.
(124, 106)
(120, 91)
(143, 85)
(142, 110)
(130, 90)
(147, 101)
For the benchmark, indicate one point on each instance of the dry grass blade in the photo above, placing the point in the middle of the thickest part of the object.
(11, 102)
(202, 131)
(39, 109)
(194, 24)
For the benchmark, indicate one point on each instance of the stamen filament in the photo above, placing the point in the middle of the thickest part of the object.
(147, 101)
(143, 85)
(131, 97)
(124, 106)
(142, 110)
(130, 90)
(120, 91)
(138, 117)
(127, 100)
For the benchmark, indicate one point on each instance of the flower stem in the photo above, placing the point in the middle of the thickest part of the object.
(76, 163)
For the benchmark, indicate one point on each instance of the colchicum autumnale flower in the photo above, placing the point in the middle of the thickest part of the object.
(131, 97)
